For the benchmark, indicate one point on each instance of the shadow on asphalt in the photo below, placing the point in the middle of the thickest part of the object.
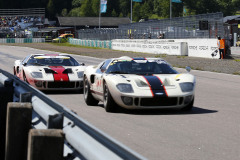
(195, 110)
(63, 92)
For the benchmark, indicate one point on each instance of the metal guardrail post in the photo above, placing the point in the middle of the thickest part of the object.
(45, 144)
(6, 95)
(19, 117)
(25, 97)
(55, 121)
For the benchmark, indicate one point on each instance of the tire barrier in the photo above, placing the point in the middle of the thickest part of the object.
(22, 40)
(91, 43)
(42, 123)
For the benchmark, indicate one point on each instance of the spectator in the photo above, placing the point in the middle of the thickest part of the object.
(221, 47)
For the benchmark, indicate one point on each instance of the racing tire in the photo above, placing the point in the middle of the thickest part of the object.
(25, 78)
(88, 97)
(189, 106)
(14, 71)
(108, 102)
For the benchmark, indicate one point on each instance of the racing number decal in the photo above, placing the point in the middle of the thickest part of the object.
(156, 86)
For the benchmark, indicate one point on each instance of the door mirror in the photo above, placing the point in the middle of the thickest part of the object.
(188, 68)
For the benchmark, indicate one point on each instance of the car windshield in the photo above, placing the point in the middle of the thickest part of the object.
(143, 67)
(52, 61)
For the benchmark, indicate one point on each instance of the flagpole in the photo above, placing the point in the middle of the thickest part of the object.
(170, 9)
(99, 22)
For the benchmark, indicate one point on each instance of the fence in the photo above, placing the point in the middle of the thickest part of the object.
(196, 26)
(22, 40)
(81, 140)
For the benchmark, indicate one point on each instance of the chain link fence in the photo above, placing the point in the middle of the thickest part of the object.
(197, 26)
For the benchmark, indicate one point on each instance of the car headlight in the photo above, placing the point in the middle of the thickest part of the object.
(187, 86)
(125, 88)
(37, 75)
(80, 74)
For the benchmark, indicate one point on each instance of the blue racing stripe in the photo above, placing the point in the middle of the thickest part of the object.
(156, 86)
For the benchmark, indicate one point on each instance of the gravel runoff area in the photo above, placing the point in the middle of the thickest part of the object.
(230, 65)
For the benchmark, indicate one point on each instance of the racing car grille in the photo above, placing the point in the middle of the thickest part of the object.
(159, 101)
(61, 84)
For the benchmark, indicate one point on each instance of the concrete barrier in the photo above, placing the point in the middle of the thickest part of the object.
(90, 43)
(22, 40)
(183, 47)
(151, 46)
(235, 51)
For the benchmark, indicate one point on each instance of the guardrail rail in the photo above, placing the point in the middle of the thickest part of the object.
(81, 139)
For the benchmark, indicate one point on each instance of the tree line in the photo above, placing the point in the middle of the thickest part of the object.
(147, 9)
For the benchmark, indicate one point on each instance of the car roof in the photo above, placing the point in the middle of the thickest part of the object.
(136, 58)
(51, 55)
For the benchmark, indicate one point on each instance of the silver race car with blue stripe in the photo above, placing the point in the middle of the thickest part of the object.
(138, 83)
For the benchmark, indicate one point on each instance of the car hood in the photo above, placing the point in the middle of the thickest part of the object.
(55, 69)
(169, 80)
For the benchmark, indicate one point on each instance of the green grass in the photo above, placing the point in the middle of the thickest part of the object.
(161, 56)
(237, 60)
(236, 73)
(181, 56)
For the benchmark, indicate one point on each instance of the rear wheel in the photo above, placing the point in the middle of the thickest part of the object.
(14, 71)
(89, 99)
(108, 102)
(189, 106)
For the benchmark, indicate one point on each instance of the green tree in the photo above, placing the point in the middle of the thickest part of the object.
(124, 7)
(75, 12)
(114, 13)
(95, 7)
(50, 9)
(136, 14)
(64, 12)
(145, 10)
(76, 3)
(86, 9)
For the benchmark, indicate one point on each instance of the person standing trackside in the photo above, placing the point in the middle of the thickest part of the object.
(220, 44)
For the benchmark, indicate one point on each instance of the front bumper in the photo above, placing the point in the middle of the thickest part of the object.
(155, 102)
(60, 85)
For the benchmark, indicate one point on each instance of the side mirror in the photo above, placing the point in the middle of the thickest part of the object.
(188, 68)
(82, 64)
(24, 64)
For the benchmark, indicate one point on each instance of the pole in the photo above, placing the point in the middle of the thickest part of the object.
(99, 22)
(170, 9)
(131, 11)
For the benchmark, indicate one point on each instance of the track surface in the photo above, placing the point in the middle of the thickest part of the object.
(210, 131)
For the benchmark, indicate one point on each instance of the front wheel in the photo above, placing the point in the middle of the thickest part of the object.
(25, 78)
(108, 102)
(189, 106)
(88, 97)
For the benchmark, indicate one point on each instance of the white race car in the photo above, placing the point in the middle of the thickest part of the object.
(138, 83)
(50, 71)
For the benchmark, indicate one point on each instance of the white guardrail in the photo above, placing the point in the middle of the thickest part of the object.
(82, 140)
